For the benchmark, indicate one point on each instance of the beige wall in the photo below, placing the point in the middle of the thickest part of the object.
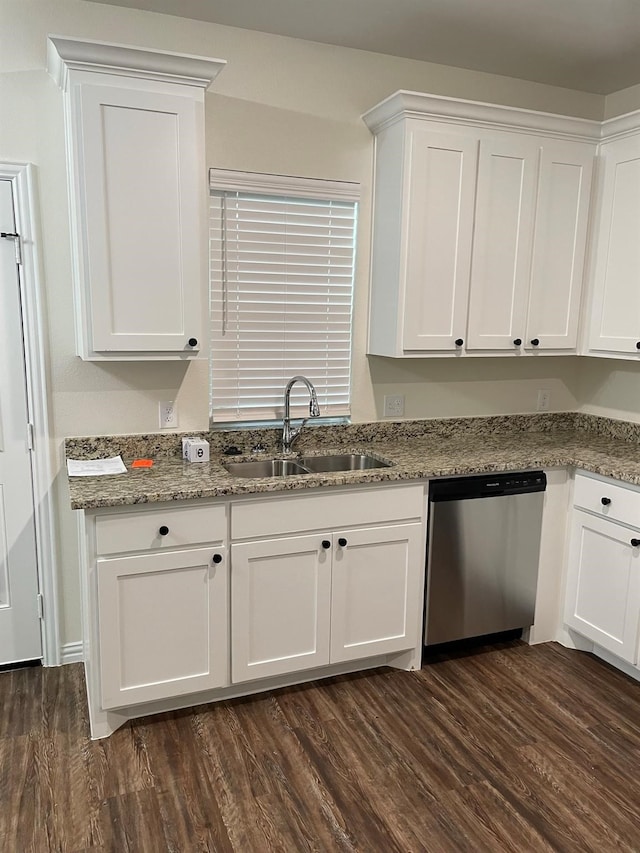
(610, 387)
(281, 105)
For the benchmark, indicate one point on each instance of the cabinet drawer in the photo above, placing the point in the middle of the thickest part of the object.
(620, 503)
(336, 511)
(140, 530)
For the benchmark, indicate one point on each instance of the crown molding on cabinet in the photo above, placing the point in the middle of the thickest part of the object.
(65, 54)
(404, 104)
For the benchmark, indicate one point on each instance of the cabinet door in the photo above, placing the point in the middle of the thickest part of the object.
(615, 315)
(501, 258)
(562, 213)
(603, 584)
(280, 598)
(439, 190)
(163, 625)
(141, 208)
(376, 603)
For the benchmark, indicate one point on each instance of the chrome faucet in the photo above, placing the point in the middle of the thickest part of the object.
(289, 435)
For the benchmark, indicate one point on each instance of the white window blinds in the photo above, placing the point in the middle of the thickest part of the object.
(281, 292)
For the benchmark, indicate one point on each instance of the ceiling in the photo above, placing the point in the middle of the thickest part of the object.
(590, 45)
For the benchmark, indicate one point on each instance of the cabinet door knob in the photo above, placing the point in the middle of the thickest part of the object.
(193, 342)
(326, 544)
(342, 542)
(517, 342)
(217, 558)
(637, 344)
(459, 342)
(535, 342)
(635, 543)
(163, 530)
(605, 501)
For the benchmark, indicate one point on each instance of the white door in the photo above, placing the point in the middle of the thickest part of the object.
(163, 625)
(615, 319)
(280, 600)
(562, 214)
(19, 621)
(440, 186)
(501, 261)
(375, 593)
(603, 584)
(142, 195)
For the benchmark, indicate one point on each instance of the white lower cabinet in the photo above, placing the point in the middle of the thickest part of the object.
(280, 601)
(170, 609)
(348, 589)
(603, 583)
(375, 591)
(307, 601)
(162, 625)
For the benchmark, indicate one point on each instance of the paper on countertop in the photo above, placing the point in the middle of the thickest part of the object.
(95, 467)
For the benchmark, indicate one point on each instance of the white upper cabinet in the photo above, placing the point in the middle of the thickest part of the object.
(559, 246)
(505, 211)
(532, 212)
(615, 305)
(480, 227)
(137, 176)
(423, 230)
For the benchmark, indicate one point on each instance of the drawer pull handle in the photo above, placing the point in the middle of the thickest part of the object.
(163, 530)
(326, 544)
(342, 542)
(635, 543)
(217, 558)
(605, 501)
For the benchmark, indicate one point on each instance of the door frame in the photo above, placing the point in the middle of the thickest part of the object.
(31, 282)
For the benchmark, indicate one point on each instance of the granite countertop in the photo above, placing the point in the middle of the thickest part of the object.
(416, 450)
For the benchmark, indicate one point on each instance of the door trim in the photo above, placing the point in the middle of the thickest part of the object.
(23, 180)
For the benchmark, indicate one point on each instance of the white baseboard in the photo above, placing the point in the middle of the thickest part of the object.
(71, 653)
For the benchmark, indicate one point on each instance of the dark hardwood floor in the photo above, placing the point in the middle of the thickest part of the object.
(511, 748)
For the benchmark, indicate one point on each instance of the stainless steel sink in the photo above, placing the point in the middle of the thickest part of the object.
(341, 462)
(306, 465)
(265, 468)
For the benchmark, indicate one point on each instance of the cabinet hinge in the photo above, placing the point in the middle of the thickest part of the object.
(30, 437)
(40, 606)
(17, 242)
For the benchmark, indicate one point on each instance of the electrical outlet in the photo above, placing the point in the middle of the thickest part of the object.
(168, 412)
(544, 399)
(394, 405)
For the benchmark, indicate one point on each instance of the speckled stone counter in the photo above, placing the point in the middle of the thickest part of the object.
(416, 450)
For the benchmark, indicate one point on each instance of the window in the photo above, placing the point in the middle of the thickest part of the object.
(281, 290)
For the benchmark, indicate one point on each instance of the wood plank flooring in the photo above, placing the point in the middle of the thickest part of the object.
(510, 748)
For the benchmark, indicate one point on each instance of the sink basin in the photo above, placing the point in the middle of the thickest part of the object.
(265, 468)
(306, 465)
(341, 462)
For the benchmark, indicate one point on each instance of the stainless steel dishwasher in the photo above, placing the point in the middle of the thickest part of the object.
(483, 549)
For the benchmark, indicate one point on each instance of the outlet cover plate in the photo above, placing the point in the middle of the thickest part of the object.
(393, 405)
(168, 414)
(544, 401)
